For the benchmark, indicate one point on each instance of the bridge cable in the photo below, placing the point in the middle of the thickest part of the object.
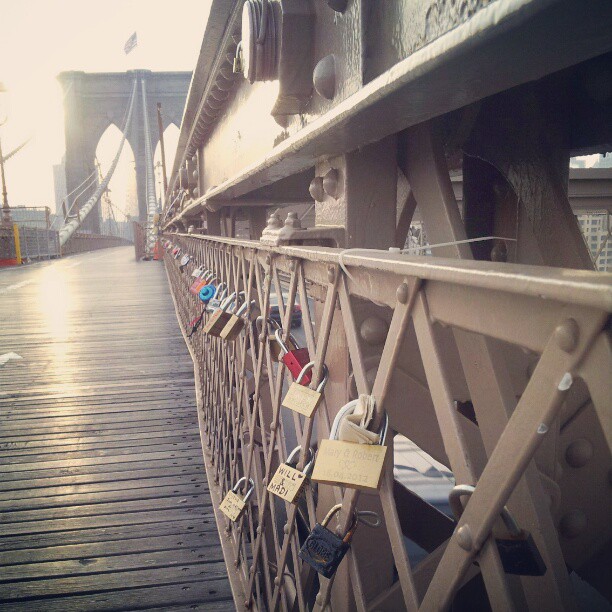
(72, 226)
(150, 178)
(16, 150)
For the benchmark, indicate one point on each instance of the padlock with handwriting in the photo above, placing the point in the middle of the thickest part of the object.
(301, 399)
(233, 505)
(324, 550)
(288, 482)
(357, 466)
(236, 323)
(518, 552)
(219, 318)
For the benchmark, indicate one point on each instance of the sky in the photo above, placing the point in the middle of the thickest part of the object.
(41, 38)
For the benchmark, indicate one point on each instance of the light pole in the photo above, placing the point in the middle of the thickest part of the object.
(7, 221)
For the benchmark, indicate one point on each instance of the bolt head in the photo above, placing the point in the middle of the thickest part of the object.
(331, 274)
(567, 334)
(402, 293)
(579, 453)
(316, 189)
(464, 537)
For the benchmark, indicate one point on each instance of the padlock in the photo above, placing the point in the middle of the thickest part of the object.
(363, 463)
(288, 482)
(294, 360)
(177, 252)
(233, 505)
(518, 553)
(301, 399)
(217, 299)
(197, 284)
(236, 323)
(185, 259)
(219, 318)
(195, 323)
(206, 293)
(324, 550)
(198, 271)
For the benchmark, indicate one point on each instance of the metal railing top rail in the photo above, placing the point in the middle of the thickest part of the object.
(581, 287)
(417, 372)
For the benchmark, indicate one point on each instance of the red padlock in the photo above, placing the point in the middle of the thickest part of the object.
(295, 360)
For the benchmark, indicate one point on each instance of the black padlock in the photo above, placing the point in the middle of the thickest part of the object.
(518, 552)
(324, 550)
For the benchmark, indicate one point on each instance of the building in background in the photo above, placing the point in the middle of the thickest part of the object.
(59, 184)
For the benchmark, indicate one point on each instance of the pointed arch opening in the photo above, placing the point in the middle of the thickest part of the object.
(120, 203)
(171, 136)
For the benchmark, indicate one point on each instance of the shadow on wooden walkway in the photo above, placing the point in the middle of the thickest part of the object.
(103, 497)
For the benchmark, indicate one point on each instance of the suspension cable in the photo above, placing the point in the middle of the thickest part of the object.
(71, 227)
(150, 177)
(16, 150)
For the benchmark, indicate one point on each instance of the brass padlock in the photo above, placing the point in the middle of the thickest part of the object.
(518, 553)
(305, 400)
(236, 323)
(288, 482)
(362, 464)
(214, 326)
(324, 550)
(233, 505)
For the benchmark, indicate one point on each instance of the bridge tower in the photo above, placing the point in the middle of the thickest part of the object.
(93, 101)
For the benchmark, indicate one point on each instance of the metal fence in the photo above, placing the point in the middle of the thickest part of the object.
(36, 243)
(487, 369)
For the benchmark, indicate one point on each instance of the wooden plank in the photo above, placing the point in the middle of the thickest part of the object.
(91, 550)
(104, 502)
(90, 583)
(186, 526)
(209, 595)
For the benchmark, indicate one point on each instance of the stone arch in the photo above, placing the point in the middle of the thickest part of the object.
(94, 101)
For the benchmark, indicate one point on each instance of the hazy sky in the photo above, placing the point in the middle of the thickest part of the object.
(41, 38)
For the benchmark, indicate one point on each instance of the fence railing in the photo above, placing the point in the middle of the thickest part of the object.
(483, 367)
(36, 243)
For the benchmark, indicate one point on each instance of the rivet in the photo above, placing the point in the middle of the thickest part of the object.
(566, 334)
(268, 259)
(264, 482)
(331, 183)
(499, 252)
(316, 189)
(258, 530)
(331, 274)
(247, 603)
(402, 293)
(237, 563)
(324, 77)
(286, 528)
(464, 537)
(573, 524)
(579, 453)
(319, 599)
(278, 581)
(373, 330)
(292, 265)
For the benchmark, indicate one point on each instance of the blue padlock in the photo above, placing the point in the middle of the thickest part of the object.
(207, 292)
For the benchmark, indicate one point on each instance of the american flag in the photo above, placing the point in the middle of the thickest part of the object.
(131, 42)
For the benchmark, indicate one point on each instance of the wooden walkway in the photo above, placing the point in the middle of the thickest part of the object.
(104, 503)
